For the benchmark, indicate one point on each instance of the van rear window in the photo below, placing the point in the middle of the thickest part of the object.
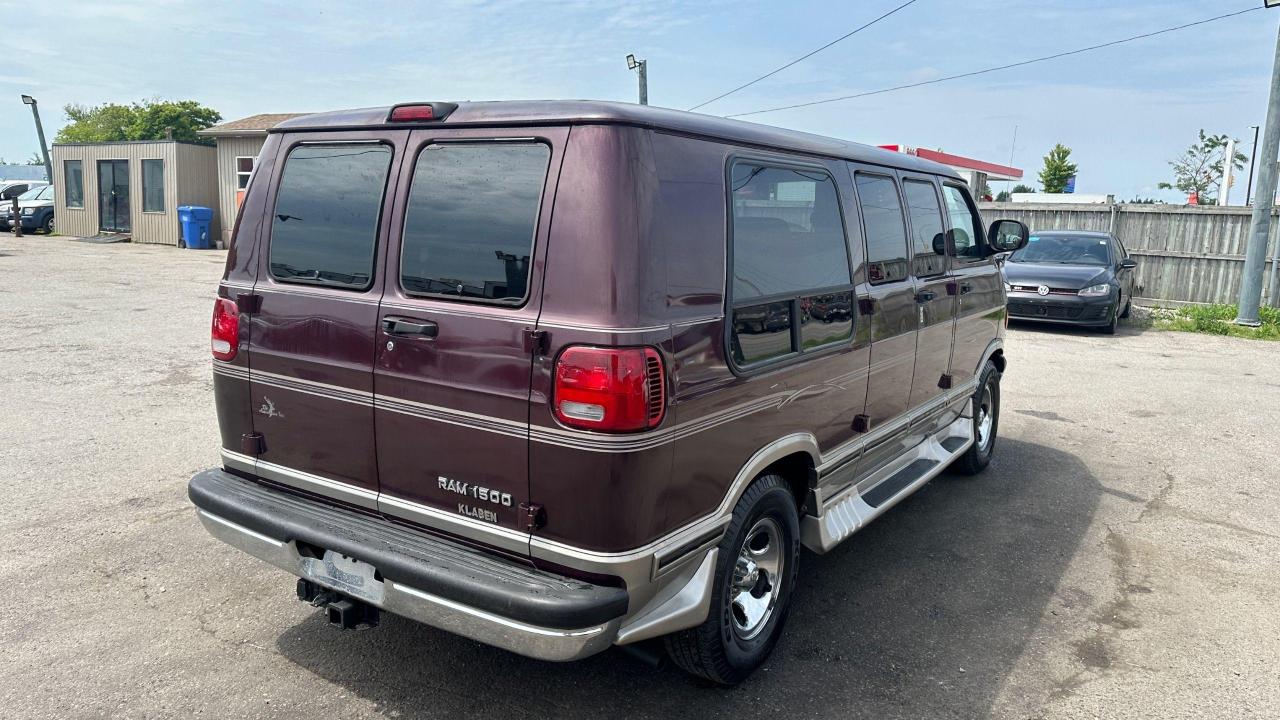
(471, 219)
(325, 226)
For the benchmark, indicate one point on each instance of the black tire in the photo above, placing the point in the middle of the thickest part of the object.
(46, 227)
(976, 458)
(726, 648)
(1128, 306)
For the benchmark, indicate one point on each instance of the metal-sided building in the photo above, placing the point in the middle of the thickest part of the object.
(238, 144)
(132, 187)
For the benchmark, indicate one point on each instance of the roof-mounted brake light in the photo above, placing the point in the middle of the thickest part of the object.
(420, 112)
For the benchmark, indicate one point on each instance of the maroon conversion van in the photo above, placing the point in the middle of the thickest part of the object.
(558, 376)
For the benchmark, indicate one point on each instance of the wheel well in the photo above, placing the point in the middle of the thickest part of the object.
(797, 469)
(997, 357)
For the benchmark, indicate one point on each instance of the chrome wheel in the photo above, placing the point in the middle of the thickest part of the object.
(984, 416)
(757, 578)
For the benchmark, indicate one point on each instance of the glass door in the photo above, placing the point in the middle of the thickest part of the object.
(113, 195)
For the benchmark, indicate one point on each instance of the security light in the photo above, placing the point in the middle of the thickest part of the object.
(631, 61)
(28, 100)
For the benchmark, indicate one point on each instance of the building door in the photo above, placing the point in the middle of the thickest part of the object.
(113, 196)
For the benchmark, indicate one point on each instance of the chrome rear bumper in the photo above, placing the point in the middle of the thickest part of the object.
(426, 579)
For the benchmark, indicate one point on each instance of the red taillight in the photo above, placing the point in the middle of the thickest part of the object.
(412, 113)
(225, 337)
(609, 389)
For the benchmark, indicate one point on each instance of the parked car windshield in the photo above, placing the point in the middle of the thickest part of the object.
(1065, 250)
(44, 192)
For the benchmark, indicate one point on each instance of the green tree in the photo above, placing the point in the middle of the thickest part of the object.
(1199, 169)
(35, 159)
(1023, 189)
(148, 120)
(1003, 196)
(1058, 169)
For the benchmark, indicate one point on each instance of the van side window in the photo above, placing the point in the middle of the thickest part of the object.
(966, 225)
(471, 219)
(928, 238)
(791, 282)
(325, 226)
(883, 225)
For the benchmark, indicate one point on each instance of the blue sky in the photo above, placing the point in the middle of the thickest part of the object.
(1125, 111)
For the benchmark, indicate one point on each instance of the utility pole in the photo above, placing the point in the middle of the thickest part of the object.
(1255, 258)
(1224, 195)
(1253, 158)
(44, 149)
(642, 69)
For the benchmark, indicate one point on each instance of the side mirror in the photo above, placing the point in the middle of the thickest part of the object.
(1128, 264)
(940, 244)
(1007, 236)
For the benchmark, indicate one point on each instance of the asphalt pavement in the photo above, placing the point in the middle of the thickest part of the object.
(1120, 558)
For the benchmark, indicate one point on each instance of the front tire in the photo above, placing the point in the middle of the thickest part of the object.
(986, 423)
(755, 579)
(47, 226)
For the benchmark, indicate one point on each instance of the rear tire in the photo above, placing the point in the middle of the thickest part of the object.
(986, 423)
(751, 596)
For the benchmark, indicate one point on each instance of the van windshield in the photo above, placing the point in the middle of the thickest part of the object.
(1064, 250)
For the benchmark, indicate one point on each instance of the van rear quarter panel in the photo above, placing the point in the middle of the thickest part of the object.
(637, 256)
(231, 394)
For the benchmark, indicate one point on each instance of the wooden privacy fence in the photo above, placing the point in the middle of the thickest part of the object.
(1184, 253)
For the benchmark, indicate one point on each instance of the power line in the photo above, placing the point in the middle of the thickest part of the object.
(999, 67)
(803, 57)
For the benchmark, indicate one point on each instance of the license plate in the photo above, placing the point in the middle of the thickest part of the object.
(346, 575)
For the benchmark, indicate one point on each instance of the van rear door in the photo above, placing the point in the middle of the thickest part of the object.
(455, 337)
(316, 296)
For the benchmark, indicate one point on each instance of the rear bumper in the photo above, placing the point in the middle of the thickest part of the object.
(1068, 309)
(428, 579)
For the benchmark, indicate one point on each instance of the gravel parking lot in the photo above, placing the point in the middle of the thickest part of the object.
(1119, 558)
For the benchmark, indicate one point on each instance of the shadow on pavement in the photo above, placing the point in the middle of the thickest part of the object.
(955, 577)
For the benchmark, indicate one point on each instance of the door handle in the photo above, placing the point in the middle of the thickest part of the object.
(966, 288)
(408, 327)
(925, 296)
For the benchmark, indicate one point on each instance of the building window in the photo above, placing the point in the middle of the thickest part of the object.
(791, 281)
(73, 178)
(325, 226)
(244, 171)
(152, 186)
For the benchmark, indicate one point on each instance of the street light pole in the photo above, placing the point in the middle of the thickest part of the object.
(44, 149)
(642, 69)
(1255, 258)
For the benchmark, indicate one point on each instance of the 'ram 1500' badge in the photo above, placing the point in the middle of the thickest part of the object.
(476, 492)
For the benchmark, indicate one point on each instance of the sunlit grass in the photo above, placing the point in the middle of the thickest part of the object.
(1217, 320)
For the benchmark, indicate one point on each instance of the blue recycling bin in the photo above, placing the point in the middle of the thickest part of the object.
(195, 222)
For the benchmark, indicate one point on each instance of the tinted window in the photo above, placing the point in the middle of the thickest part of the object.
(886, 232)
(471, 220)
(929, 243)
(761, 332)
(787, 232)
(325, 225)
(1064, 250)
(74, 179)
(152, 186)
(966, 226)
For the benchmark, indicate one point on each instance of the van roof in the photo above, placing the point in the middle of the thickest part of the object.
(559, 112)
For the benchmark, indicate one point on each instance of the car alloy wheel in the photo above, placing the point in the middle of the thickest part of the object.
(757, 578)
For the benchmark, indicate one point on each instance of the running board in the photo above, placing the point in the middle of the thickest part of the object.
(851, 510)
